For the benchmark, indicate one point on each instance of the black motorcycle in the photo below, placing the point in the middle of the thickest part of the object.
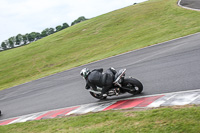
(121, 85)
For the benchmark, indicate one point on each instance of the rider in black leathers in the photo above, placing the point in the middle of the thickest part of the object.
(96, 78)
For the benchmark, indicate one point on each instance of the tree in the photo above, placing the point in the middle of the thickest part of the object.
(47, 32)
(44, 33)
(3, 45)
(37, 36)
(32, 36)
(51, 31)
(11, 42)
(58, 28)
(25, 39)
(19, 39)
(65, 25)
(80, 19)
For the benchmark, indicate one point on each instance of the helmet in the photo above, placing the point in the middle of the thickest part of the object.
(85, 72)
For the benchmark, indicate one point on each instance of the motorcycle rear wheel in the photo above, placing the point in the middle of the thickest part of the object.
(98, 96)
(134, 85)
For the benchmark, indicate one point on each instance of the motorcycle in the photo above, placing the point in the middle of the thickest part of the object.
(121, 85)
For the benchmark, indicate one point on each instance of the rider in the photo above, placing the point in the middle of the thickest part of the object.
(96, 78)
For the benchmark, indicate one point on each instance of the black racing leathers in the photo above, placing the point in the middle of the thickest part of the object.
(99, 79)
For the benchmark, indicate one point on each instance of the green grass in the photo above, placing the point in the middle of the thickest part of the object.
(110, 34)
(163, 120)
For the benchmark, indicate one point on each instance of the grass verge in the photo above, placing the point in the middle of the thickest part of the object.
(123, 30)
(176, 119)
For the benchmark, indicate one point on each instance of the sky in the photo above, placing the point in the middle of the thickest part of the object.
(26, 16)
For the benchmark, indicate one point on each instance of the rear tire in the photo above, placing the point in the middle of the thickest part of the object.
(133, 84)
(98, 96)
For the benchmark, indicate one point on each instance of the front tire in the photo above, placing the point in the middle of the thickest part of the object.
(134, 85)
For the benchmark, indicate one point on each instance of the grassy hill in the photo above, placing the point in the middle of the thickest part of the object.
(110, 34)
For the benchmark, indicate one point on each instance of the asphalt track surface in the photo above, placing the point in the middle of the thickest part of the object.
(168, 67)
(194, 4)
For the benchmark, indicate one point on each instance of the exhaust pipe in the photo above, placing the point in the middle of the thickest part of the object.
(96, 92)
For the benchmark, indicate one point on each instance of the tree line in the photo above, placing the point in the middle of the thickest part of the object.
(21, 40)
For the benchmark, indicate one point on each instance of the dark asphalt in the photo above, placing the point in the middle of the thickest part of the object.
(169, 67)
(195, 4)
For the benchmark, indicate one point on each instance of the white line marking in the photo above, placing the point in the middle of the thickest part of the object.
(195, 98)
(26, 118)
(171, 97)
(156, 103)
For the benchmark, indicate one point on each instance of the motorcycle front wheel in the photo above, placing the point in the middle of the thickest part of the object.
(134, 85)
(98, 96)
